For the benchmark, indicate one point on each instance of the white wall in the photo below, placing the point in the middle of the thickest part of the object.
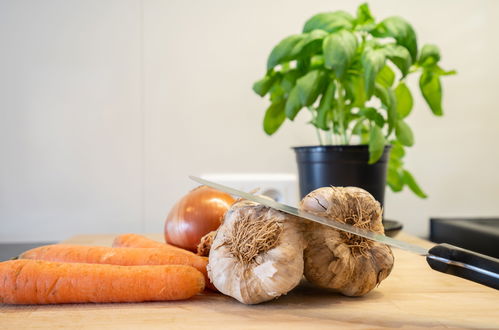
(107, 106)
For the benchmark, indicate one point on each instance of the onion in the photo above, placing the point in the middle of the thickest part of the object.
(195, 215)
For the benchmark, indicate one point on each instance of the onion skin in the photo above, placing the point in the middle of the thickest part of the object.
(195, 215)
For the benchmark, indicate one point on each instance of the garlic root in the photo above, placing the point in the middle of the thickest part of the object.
(204, 246)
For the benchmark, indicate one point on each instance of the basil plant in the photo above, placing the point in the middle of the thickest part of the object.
(350, 73)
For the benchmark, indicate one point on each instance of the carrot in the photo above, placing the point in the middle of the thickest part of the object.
(45, 282)
(139, 241)
(114, 256)
(117, 256)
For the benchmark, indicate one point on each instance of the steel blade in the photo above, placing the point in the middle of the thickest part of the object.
(325, 221)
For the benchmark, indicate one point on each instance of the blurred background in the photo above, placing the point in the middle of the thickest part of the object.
(107, 106)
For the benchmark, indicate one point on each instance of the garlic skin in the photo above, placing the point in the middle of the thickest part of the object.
(344, 262)
(257, 253)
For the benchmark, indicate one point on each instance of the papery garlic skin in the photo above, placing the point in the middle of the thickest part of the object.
(336, 260)
(270, 273)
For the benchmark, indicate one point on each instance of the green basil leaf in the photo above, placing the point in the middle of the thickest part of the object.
(392, 114)
(289, 78)
(394, 179)
(385, 77)
(404, 133)
(430, 86)
(311, 44)
(399, 29)
(329, 22)
(395, 163)
(262, 86)
(404, 100)
(277, 93)
(399, 56)
(381, 93)
(430, 55)
(397, 150)
(293, 104)
(324, 111)
(373, 115)
(285, 50)
(364, 15)
(388, 100)
(303, 64)
(373, 60)
(339, 49)
(317, 60)
(376, 144)
(310, 86)
(274, 117)
(355, 91)
(441, 72)
(412, 184)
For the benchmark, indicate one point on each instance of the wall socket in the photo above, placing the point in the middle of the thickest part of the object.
(282, 187)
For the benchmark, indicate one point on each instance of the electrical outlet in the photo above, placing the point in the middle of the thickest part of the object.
(282, 187)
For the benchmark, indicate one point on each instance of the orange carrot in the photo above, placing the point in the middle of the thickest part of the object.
(115, 256)
(45, 282)
(139, 241)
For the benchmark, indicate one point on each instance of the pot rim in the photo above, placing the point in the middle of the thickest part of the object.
(338, 147)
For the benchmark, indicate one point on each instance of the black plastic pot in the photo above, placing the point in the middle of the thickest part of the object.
(322, 166)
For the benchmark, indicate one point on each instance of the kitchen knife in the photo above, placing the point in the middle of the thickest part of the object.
(444, 257)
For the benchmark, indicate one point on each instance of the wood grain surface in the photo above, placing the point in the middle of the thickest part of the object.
(413, 296)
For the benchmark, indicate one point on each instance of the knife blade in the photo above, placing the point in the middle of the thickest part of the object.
(444, 258)
(309, 216)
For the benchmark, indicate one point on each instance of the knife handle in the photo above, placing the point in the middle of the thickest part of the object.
(464, 263)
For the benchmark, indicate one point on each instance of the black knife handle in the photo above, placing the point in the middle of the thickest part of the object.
(467, 264)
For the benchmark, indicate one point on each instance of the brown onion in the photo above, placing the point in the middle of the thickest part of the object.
(195, 215)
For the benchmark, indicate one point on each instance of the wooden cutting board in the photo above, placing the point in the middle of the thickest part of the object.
(413, 296)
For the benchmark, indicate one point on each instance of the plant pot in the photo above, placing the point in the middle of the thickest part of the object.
(322, 166)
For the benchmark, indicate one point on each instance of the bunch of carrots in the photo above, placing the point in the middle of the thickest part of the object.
(135, 269)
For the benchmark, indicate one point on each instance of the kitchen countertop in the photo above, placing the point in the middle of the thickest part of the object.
(413, 296)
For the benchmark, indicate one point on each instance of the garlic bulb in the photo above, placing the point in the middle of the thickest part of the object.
(257, 253)
(338, 260)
